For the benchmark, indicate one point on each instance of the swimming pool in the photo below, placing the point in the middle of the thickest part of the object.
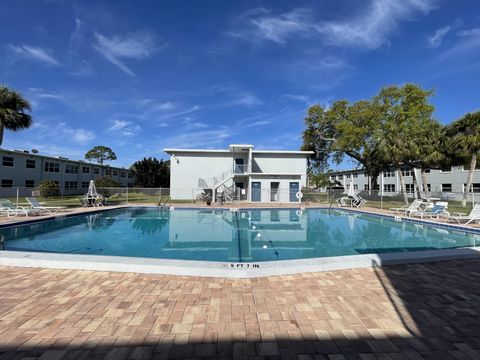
(247, 235)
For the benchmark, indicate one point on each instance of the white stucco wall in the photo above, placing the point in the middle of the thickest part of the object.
(187, 168)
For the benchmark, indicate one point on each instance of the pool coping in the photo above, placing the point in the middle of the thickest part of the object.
(234, 269)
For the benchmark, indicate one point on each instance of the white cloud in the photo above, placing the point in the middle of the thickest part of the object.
(179, 113)
(247, 99)
(468, 43)
(139, 45)
(278, 28)
(34, 53)
(124, 128)
(199, 139)
(436, 39)
(370, 29)
(78, 135)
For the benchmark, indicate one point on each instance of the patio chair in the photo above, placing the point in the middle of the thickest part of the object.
(357, 200)
(35, 204)
(408, 209)
(466, 219)
(7, 208)
(439, 209)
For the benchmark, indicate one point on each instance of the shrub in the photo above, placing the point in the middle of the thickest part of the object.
(49, 188)
(104, 182)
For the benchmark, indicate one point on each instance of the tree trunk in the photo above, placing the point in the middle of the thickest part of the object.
(424, 183)
(402, 185)
(2, 128)
(473, 164)
(416, 185)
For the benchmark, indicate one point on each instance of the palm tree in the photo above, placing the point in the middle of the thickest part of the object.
(14, 110)
(464, 137)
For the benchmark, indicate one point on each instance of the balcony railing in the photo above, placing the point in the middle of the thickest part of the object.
(240, 168)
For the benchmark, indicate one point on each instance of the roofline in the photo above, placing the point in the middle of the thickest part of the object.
(21, 152)
(174, 151)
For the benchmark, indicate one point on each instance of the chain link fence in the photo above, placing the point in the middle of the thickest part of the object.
(166, 196)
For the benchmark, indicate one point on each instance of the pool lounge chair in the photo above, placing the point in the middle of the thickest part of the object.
(467, 219)
(7, 208)
(49, 209)
(408, 209)
(439, 209)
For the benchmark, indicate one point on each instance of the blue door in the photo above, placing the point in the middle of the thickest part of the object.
(256, 191)
(294, 188)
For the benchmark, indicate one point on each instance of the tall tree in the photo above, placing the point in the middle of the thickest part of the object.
(405, 111)
(343, 130)
(150, 172)
(464, 137)
(14, 111)
(100, 154)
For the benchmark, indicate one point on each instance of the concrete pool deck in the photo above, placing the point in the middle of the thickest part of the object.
(421, 311)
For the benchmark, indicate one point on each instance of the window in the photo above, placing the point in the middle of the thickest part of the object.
(355, 186)
(348, 176)
(366, 187)
(85, 184)
(406, 171)
(71, 169)
(446, 169)
(52, 167)
(389, 187)
(30, 164)
(332, 177)
(409, 188)
(7, 183)
(29, 183)
(122, 174)
(115, 173)
(71, 185)
(130, 175)
(355, 175)
(476, 188)
(130, 185)
(96, 171)
(389, 173)
(7, 161)
(85, 170)
(365, 174)
(340, 177)
(446, 187)
(108, 172)
(429, 187)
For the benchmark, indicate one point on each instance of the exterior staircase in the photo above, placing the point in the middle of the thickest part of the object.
(218, 182)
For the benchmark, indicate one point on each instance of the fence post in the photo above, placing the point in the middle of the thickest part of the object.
(18, 194)
(126, 195)
(61, 196)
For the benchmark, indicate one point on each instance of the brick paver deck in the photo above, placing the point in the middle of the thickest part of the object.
(429, 311)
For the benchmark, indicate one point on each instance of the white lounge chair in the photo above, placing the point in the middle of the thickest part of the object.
(408, 209)
(7, 208)
(49, 209)
(467, 219)
(439, 209)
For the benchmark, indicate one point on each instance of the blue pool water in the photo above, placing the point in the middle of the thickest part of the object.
(220, 235)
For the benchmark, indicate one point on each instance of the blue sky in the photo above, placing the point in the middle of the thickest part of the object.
(140, 76)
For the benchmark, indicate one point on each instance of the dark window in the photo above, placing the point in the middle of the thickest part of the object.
(122, 174)
(108, 172)
(30, 164)
(29, 183)
(389, 187)
(130, 175)
(71, 185)
(427, 171)
(355, 175)
(71, 169)
(85, 170)
(446, 187)
(96, 171)
(429, 187)
(476, 188)
(406, 171)
(52, 167)
(348, 176)
(7, 161)
(115, 173)
(7, 183)
(366, 187)
(409, 188)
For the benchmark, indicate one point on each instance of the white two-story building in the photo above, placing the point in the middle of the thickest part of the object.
(240, 172)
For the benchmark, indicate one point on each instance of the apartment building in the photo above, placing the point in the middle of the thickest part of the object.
(447, 182)
(248, 174)
(26, 170)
